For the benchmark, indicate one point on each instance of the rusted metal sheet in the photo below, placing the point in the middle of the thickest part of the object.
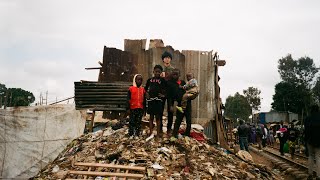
(101, 96)
(201, 64)
(147, 59)
(117, 65)
(121, 65)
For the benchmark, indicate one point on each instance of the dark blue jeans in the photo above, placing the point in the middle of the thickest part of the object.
(135, 121)
(243, 141)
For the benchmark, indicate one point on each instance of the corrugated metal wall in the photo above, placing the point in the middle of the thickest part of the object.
(142, 61)
(200, 63)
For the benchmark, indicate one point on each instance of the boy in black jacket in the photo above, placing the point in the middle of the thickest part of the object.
(175, 93)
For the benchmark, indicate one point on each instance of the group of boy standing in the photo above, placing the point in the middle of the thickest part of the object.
(164, 86)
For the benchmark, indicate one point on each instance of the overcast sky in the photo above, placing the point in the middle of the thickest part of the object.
(45, 45)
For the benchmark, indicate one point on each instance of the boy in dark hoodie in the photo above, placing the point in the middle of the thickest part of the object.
(156, 90)
(136, 101)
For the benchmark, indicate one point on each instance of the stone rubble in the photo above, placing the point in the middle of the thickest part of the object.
(186, 158)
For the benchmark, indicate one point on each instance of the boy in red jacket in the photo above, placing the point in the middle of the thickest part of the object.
(136, 101)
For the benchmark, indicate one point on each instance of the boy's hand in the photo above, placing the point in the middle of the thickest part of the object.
(161, 95)
(147, 95)
(163, 74)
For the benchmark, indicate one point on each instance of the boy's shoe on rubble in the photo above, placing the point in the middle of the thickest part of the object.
(173, 139)
(180, 109)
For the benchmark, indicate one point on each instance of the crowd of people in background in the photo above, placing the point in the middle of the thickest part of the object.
(288, 137)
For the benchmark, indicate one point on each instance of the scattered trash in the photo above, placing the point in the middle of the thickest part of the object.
(150, 137)
(197, 127)
(244, 155)
(55, 169)
(184, 158)
(157, 166)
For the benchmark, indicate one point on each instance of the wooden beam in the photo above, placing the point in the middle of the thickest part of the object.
(221, 62)
(93, 68)
(135, 168)
(129, 175)
(61, 100)
(92, 122)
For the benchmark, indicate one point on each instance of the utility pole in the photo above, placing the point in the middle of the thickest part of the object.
(40, 99)
(47, 98)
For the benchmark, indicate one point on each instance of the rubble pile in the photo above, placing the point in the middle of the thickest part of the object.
(185, 158)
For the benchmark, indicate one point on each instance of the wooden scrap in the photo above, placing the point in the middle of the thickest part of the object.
(135, 168)
(91, 173)
(85, 177)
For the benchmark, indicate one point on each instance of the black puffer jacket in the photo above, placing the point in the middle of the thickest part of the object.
(312, 129)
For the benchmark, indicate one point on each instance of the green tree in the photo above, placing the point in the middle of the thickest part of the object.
(237, 106)
(252, 95)
(3, 91)
(316, 90)
(301, 71)
(290, 97)
(294, 92)
(19, 97)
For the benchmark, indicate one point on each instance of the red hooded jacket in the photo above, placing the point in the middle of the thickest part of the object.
(136, 97)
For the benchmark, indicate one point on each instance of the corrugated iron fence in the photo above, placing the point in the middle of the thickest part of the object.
(121, 65)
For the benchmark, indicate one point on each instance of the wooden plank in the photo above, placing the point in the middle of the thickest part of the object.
(135, 168)
(102, 87)
(92, 68)
(85, 177)
(100, 103)
(102, 84)
(129, 175)
(95, 106)
(100, 99)
(102, 93)
(103, 109)
(87, 88)
(92, 122)
(127, 171)
(101, 96)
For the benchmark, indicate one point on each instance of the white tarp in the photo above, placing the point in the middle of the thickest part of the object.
(31, 137)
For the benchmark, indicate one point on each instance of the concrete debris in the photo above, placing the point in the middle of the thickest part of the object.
(186, 158)
(244, 155)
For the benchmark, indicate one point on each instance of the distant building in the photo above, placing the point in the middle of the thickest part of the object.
(274, 116)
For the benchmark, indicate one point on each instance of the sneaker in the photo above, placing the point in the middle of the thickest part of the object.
(131, 137)
(180, 109)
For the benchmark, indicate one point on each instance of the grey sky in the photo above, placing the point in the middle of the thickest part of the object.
(45, 45)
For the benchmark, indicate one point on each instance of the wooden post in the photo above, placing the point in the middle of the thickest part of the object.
(47, 98)
(40, 99)
(92, 121)
(217, 100)
(0, 102)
